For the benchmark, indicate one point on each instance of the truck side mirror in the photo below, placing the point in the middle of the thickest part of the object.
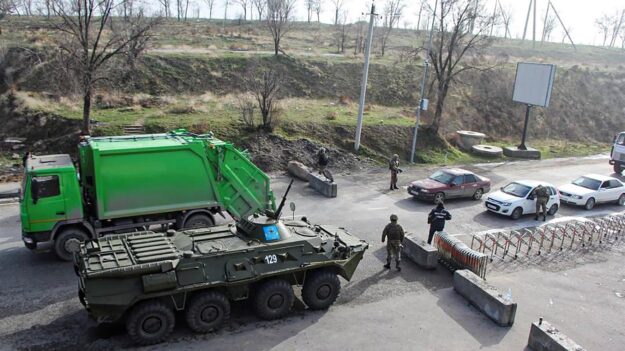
(34, 190)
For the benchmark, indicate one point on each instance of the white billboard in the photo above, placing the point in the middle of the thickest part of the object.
(533, 83)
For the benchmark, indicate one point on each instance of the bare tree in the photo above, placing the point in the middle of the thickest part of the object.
(317, 9)
(341, 32)
(393, 10)
(243, 4)
(279, 14)
(265, 84)
(506, 18)
(622, 36)
(260, 6)
(617, 25)
(338, 6)
(93, 38)
(604, 23)
(310, 4)
(454, 43)
(226, 3)
(166, 5)
(210, 4)
(549, 26)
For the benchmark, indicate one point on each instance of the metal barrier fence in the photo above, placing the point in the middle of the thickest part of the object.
(458, 255)
(550, 237)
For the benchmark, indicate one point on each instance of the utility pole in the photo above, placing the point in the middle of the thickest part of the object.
(365, 74)
(422, 101)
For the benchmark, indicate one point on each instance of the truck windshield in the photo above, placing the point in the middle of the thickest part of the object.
(442, 177)
(516, 189)
(620, 140)
(587, 183)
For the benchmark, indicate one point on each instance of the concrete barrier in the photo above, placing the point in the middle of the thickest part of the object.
(484, 297)
(322, 186)
(420, 252)
(299, 170)
(515, 152)
(544, 337)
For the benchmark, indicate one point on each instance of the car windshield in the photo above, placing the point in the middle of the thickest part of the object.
(442, 177)
(587, 183)
(516, 189)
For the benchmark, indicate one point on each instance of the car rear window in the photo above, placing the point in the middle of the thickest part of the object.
(470, 178)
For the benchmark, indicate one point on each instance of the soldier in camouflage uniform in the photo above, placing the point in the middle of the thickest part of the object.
(393, 165)
(395, 234)
(542, 197)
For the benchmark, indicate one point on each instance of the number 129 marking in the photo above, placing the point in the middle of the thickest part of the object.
(271, 259)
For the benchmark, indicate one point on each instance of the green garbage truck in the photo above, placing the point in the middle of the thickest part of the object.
(130, 183)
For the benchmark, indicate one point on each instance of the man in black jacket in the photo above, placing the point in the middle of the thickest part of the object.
(436, 219)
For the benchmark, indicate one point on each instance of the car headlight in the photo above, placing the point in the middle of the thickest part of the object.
(577, 197)
(425, 191)
(506, 204)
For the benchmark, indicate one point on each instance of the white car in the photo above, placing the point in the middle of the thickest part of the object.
(592, 189)
(517, 198)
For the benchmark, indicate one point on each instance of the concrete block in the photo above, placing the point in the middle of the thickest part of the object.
(420, 252)
(487, 151)
(322, 186)
(544, 337)
(467, 138)
(515, 152)
(298, 170)
(484, 297)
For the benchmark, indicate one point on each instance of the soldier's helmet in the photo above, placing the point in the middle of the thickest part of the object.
(394, 218)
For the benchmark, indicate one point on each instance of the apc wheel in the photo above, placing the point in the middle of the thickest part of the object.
(478, 194)
(207, 312)
(517, 213)
(439, 197)
(68, 242)
(321, 290)
(198, 220)
(590, 204)
(621, 200)
(617, 168)
(150, 323)
(274, 299)
(553, 210)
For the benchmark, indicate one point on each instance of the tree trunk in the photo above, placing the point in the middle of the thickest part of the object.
(86, 112)
(276, 46)
(440, 104)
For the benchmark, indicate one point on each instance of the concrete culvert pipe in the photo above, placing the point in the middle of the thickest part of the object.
(487, 151)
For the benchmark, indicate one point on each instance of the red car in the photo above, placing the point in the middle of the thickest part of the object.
(450, 183)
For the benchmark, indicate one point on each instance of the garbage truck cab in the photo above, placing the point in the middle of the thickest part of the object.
(49, 199)
(617, 156)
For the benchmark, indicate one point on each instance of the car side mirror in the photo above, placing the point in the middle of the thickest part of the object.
(34, 190)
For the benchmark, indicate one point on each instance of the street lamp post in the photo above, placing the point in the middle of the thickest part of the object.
(365, 74)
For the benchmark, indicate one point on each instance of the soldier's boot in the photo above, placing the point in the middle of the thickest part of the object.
(397, 266)
(536, 218)
(544, 217)
(388, 264)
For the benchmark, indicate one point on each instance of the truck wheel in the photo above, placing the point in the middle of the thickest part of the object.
(274, 299)
(68, 242)
(590, 204)
(207, 312)
(198, 220)
(150, 322)
(321, 290)
(617, 168)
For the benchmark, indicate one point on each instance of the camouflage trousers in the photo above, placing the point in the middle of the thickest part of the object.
(393, 249)
(541, 204)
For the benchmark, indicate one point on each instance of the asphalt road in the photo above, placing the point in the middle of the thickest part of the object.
(581, 292)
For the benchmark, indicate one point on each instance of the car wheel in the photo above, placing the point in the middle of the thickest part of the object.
(590, 204)
(68, 242)
(150, 322)
(274, 299)
(439, 197)
(321, 290)
(207, 312)
(478, 194)
(198, 220)
(553, 210)
(621, 200)
(517, 213)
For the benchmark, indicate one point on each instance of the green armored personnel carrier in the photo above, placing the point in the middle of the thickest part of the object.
(145, 278)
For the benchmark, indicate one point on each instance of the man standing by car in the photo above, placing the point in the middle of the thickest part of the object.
(436, 219)
(393, 165)
(542, 198)
(395, 234)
